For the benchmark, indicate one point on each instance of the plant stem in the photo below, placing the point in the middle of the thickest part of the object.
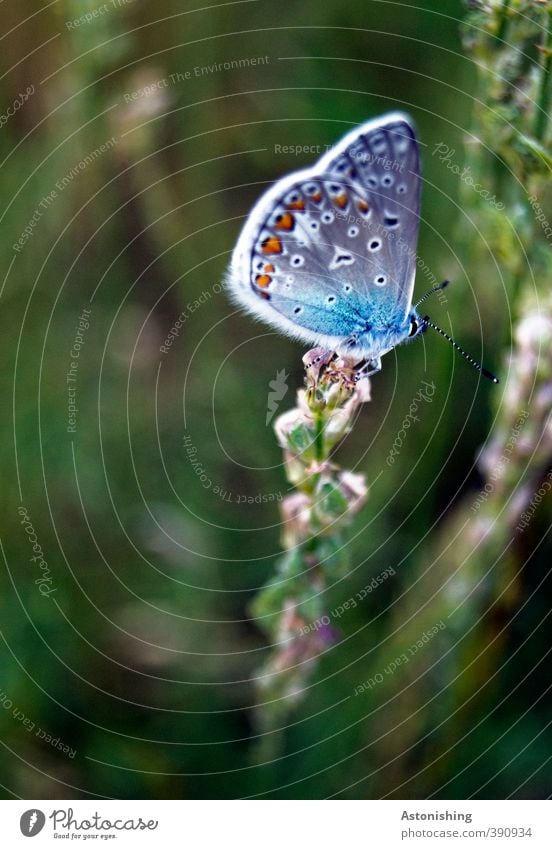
(319, 436)
(503, 22)
(290, 607)
(543, 103)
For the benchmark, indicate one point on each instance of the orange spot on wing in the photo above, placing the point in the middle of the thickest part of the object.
(296, 204)
(269, 267)
(363, 206)
(263, 280)
(341, 201)
(317, 197)
(285, 221)
(271, 245)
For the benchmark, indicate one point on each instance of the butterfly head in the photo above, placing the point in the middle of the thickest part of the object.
(416, 325)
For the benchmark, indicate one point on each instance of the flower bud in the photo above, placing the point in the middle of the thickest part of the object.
(354, 488)
(296, 519)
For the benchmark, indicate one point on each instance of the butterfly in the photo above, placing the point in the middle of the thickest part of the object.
(328, 254)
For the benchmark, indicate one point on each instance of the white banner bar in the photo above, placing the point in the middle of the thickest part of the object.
(278, 824)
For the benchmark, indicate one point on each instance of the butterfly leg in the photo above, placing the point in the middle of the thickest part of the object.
(368, 369)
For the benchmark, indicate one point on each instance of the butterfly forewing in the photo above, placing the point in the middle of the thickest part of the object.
(384, 161)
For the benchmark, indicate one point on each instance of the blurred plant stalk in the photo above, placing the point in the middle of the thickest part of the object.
(290, 608)
(475, 582)
(511, 43)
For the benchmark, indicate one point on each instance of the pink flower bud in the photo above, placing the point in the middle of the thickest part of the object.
(354, 488)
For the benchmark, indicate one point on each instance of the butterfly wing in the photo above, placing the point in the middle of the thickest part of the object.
(323, 252)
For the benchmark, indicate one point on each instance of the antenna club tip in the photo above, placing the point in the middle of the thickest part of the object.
(492, 377)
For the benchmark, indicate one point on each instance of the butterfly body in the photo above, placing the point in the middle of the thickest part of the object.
(328, 254)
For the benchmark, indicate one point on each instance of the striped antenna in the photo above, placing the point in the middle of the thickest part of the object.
(438, 288)
(485, 372)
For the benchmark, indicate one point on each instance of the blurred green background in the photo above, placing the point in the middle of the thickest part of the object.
(133, 161)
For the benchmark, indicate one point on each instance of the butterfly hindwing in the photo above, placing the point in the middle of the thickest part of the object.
(309, 263)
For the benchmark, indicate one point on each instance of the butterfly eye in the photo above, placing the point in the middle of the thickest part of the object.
(414, 327)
